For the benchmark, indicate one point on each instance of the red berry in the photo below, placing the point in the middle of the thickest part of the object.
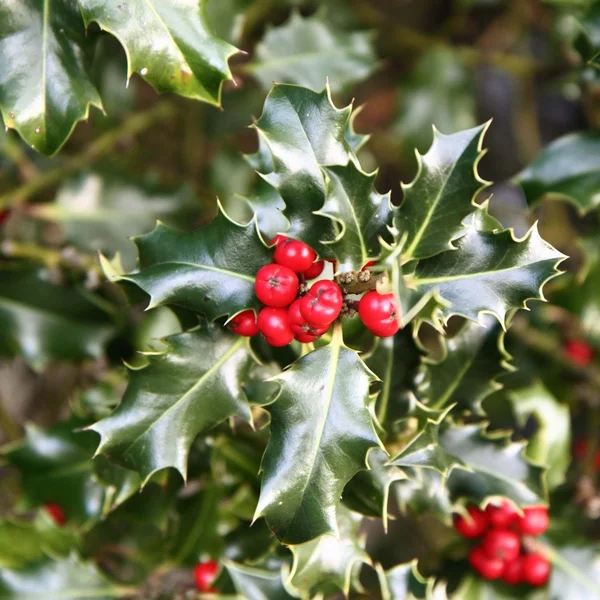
(273, 323)
(245, 324)
(579, 352)
(513, 571)
(278, 238)
(580, 450)
(299, 325)
(534, 521)
(314, 270)
(488, 568)
(204, 574)
(323, 303)
(56, 512)
(4, 214)
(294, 254)
(380, 313)
(536, 569)
(473, 526)
(501, 544)
(371, 263)
(276, 285)
(502, 516)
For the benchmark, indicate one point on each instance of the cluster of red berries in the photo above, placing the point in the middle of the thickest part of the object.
(289, 313)
(205, 574)
(500, 553)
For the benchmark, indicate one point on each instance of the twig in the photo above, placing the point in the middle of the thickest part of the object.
(100, 147)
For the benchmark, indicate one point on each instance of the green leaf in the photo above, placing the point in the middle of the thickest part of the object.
(423, 492)
(368, 492)
(100, 212)
(307, 51)
(329, 561)
(321, 431)
(45, 85)
(491, 466)
(551, 443)
(488, 272)
(567, 169)
(360, 213)
(195, 383)
(43, 321)
(441, 194)
(467, 371)
(439, 90)
(56, 466)
(473, 587)
(303, 132)
(210, 270)
(168, 42)
(50, 579)
(255, 583)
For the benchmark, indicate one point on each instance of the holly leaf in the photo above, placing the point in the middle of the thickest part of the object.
(56, 466)
(439, 89)
(45, 85)
(54, 579)
(473, 587)
(43, 321)
(303, 132)
(361, 216)
(308, 50)
(566, 169)
(442, 193)
(490, 466)
(210, 270)
(550, 445)
(195, 383)
(321, 431)
(255, 583)
(466, 374)
(100, 212)
(488, 272)
(168, 42)
(423, 491)
(329, 561)
(368, 492)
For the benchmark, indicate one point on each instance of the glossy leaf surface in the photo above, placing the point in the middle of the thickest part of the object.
(194, 384)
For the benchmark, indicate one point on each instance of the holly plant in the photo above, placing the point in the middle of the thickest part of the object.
(239, 360)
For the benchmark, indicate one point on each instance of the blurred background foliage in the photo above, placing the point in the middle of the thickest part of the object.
(529, 65)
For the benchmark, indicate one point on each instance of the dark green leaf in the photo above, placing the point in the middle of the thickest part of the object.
(210, 270)
(551, 443)
(488, 272)
(404, 582)
(566, 169)
(50, 579)
(43, 321)
(307, 51)
(467, 372)
(303, 132)
(195, 383)
(168, 42)
(361, 215)
(329, 561)
(491, 466)
(321, 431)
(442, 193)
(45, 86)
